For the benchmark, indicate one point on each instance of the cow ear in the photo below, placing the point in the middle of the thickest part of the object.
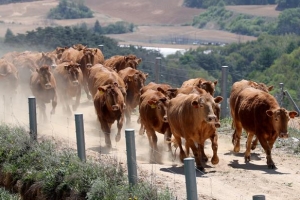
(152, 103)
(218, 99)
(293, 114)
(269, 113)
(130, 78)
(215, 82)
(102, 89)
(138, 61)
(195, 104)
(126, 58)
(160, 90)
(67, 67)
(270, 88)
(146, 75)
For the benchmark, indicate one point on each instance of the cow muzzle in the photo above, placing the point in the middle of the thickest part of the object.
(283, 135)
(165, 118)
(115, 107)
(48, 86)
(75, 83)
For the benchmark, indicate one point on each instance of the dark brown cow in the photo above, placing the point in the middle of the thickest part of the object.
(118, 62)
(236, 88)
(69, 77)
(43, 87)
(109, 99)
(153, 116)
(209, 86)
(259, 114)
(135, 80)
(192, 117)
(8, 79)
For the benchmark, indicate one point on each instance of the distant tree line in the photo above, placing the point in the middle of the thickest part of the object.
(281, 4)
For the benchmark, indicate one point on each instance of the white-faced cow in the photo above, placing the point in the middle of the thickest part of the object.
(109, 92)
(135, 80)
(43, 87)
(192, 117)
(259, 113)
(69, 77)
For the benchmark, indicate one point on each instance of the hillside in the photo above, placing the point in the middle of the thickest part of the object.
(157, 20)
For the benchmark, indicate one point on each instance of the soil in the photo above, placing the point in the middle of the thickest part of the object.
(231, 178)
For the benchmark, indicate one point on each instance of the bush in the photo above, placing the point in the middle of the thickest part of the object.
(39, 170)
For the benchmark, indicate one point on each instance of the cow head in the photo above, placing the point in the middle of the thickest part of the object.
(113, 97)
(208, 86)
(207, 106)
(132, 61)
(73, 71)
(160, 105)
(136, 81)
(48, 59)
(88, 57)
(59, 51)
(280, 118)
(45, 77)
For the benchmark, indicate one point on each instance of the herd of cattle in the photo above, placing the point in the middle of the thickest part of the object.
(117, 87)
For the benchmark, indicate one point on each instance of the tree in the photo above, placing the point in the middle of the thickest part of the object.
(98, 28)
(9, 36)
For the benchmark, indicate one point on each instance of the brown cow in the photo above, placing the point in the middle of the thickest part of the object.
(43, 87)
(8, 79)
(153, 116)
(209, 86)
(259, 113)
(68, 76)
(59, 51)
(118, 62)
(87, 58)
(109, 99)
(236, 88)
(135, 80)
(192, 117)
(166, 89)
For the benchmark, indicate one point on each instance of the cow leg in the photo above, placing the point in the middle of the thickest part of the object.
(254, 143)
(119, 125)
(77, 100)
(142, 129)
(152, 138)
(214, 147)
(85, 87)
(67, 104)
(43, 112)
(54, 103)
(197, 153)
(128, 115)
(267, 147)
(182, 154)
(237, 137)
(248, 146)
(106, 130)
(167, 137)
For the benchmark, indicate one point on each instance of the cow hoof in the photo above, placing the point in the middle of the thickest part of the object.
(236, 149)
(204, 158)
(215, 160)
(272, 166)
(201, 168)
(253, 147)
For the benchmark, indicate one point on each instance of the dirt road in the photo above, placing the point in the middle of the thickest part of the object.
(230, 179)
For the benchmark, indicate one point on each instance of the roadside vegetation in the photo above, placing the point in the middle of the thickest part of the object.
(42, 170)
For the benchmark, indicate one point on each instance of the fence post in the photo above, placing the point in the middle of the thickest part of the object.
(224, 92)
(101, 47)
(258, 197)
(190, 178)
(157, 68)
(131, 156)
(281, 94)
(292, 101)
(80, 137)
(32, 118)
